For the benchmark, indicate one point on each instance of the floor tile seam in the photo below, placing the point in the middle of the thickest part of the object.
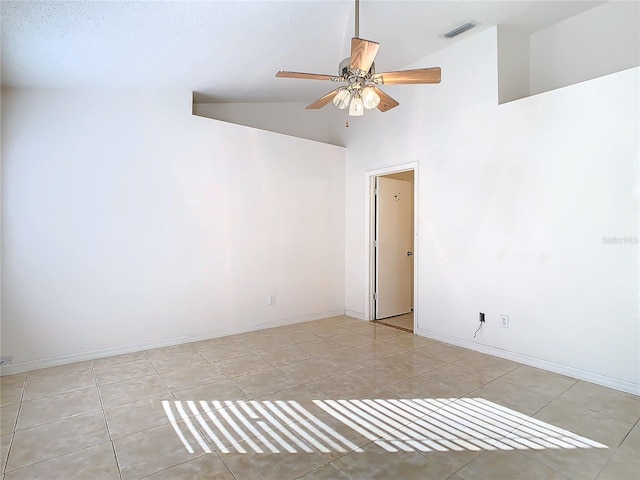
(55, 376)
(226, 376)
(162, 380)
(251, 397)
(288, 362)
(23, 390)
(389, 385)
(467, 395)
(156, 374)
(169, 391)
(125, 405)
(233, 475)
(117, 363)
(115, 457)
(83, 414)
(315, 469)
(191, 364)
(589, 384)
(68, 417)
(611, 453)
(606, 464)
(305, 381)
(207, 362)
(481, 368)
(115, 454)
(487, 452)
(494, 379)
(385, 360)
(351, 368)
(203, 345)
(257, 354)
(136, 376)
(196, 423)
(455, 472)
(4, 467)
(406, 349)
(628, 434)
(554, 468)
(59, 393)
(182, 463)
(340, 470)
(592, 409)
(516, 385)
(343, 348)
(514, 382)
(248, 352)
(55, 456)
(231, 379)
(255, 351)
(14, 427)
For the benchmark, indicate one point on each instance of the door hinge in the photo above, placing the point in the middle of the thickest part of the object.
(375, 295)
(375, 191)
(375, 244)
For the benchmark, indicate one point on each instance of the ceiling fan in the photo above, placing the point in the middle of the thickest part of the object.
(358, 72)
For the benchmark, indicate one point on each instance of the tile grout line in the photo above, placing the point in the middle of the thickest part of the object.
(617, 448)
(106, 422)
(15, 424)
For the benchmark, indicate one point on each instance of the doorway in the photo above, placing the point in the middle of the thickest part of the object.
(391, 243)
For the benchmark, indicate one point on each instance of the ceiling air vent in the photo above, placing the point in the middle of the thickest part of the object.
(461, 29)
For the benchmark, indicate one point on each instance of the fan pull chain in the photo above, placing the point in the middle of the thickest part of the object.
(357, 19)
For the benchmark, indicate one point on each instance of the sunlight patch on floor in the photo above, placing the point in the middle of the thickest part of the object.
(395, 425)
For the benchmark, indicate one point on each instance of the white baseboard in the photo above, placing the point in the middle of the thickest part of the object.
(605, 381)
(358, 315)
(110, 352)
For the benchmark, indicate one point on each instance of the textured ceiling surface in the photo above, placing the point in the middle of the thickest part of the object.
(229, 51)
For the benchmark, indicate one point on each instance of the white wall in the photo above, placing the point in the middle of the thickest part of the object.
(325, 125)
(513, 64)
(514, 201)
(602, 40)
(128, 222)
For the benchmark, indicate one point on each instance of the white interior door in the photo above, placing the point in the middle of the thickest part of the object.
(394, 247)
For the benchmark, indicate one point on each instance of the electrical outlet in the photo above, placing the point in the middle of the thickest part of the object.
(8, 360)
(481, 317)
(504, 321)
(271, 299)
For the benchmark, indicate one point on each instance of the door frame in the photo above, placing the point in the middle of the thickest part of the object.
(369, 273)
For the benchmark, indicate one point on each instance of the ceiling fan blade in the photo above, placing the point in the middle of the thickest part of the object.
(321, 102)
(420, 75)
(363, 52)
(386, 102)
(308, 76)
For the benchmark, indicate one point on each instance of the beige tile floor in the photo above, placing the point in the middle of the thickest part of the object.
(105, 419)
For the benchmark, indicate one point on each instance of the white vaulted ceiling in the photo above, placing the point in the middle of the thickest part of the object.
(229, 51)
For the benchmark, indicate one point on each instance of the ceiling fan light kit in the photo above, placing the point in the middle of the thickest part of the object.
(358, 72)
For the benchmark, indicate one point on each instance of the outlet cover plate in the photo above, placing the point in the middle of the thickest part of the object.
(8, 360)
(504, 321)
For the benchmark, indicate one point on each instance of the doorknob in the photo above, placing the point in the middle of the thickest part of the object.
(409, 254)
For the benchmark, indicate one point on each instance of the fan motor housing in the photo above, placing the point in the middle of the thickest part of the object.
(343, 68)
